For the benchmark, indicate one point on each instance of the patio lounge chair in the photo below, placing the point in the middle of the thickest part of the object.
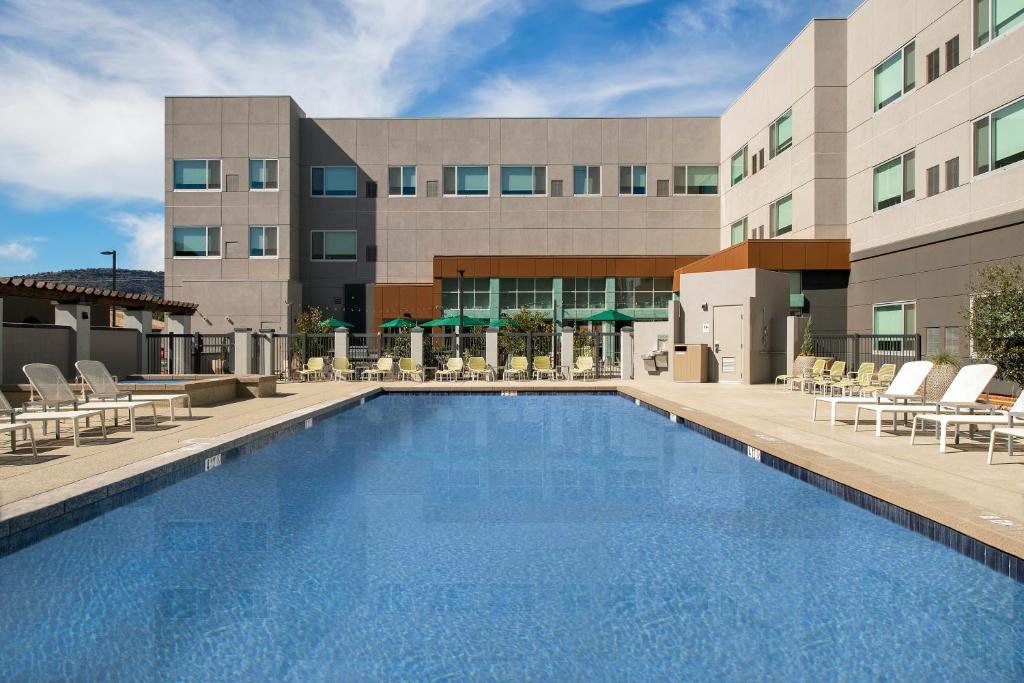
(996, 418)
(798, 373)
(12, 428)
(835, 375)
(408, 369)
(904, 388)
(964, 392)
(452, 370)
(341, 368)
(815, 374)
(855, 381)
(313, 368)
(1010, 433)
(516, 368)
(103, 387)
(55, 395)
(478, 368)
(584, 367)
(542, 368)
(383, 369)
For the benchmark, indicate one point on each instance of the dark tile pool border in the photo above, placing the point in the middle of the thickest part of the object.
(990, 556)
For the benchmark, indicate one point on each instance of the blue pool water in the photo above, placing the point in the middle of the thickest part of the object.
(552, 538)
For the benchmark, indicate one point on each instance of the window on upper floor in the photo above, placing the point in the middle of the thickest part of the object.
(642, 292)
(738, 232)
(401, 181)
(695, 179)
(262, 241)
(894, 76)
(476, 293)
(197, 174)
(781, 216)
(523, 180)
(525, 292)
(780, 134)
(583, 293)
(931, 181)
(633, 180)
(333, 181)
(196, 241)
(894, 322)
(333, 245)
(953, 173)
(993, 18)
(932, 65)
(262, 174)
(999, 138)
(952, 52)
(586, 181)
(738, 166)
(894, 181)
(466, 181)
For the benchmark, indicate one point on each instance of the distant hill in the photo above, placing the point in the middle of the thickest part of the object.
(135, 281)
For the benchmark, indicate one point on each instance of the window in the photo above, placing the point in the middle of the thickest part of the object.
(695, 180)
(953, 173)
(523, 180)
(738, 166)
(782, 216)
(525, 292)
(931, 177)
(476, 293)
(952, 53)
(894, 181)
(932, 65)
(333, 181)
(333, 245)
(196, 241)
(262, 241)
(586, 181)
(739, 231)
(642, 292)
(796, 289)
(932, 340)
(780, 134)
(401, 181)
(583, 293)
(262, 174)
(197, 174)
(466, 180)
(993, 18)
(953, 340)
(999, 138)
(895, 319)
(633, 180)
(894, 77)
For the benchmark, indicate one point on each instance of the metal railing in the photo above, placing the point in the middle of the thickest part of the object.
(862, 348)
(604, 347)
(190, 354)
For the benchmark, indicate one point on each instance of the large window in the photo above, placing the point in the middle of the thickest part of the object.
(196, 241)
(999, 138)
(894, 181)
(738, 166)
(695, 180)
(780, 134)
(642, 292)
(466, 180)
(993, 18)
(262, 174)
(523, 180)
(738, 231)
(262, 241)
(782, 216)
(894, 76)
(333, 245)
(525, 292)
(583, 293)
(633, 180)
(333, 181)
(401, 181)
(586, 181)
(895, 319)
(197, 174)
(476, 293)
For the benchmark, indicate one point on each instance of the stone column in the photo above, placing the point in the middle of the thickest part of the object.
(341, 342)
(568, 355)
(142, 323)
(180, 359)
(795, 325)
(76, 316)
(626, 352)
(492, 347)
(265, 340)
(416, 345)
(243, 351)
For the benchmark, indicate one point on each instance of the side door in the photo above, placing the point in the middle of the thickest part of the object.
(728, 342)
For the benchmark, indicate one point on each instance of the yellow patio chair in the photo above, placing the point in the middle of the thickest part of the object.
(408, 369)
(383, 369)
(452, 370)
(313, 368)
(834, 375)
(516, 368)
(584, 366)
(478, 368)
(542, 368)
(798, 372)
(855, 381)
(816, 372)
(341, 368)
(881, 379)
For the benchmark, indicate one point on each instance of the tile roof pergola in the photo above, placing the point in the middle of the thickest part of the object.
(65, 293)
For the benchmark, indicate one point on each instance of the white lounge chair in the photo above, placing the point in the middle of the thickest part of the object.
(103, 387)
(964, 392)
(12, 428)
(996, 418)
(1010, 433)
(903, 389)
(55, 395)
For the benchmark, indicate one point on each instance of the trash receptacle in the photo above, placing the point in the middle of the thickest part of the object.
(691, 363)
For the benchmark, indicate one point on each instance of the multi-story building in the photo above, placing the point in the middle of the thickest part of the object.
(900, 129)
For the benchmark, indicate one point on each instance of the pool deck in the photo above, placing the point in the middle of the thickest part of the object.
(957, 488)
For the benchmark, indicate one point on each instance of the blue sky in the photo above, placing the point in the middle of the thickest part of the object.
(81, 120)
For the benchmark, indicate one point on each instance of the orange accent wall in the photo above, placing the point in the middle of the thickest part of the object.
(776, 254)
(394, 301)
(560, 266)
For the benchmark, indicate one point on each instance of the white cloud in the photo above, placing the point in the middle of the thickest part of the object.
(602, 6)
(16, 251)
(145, 233)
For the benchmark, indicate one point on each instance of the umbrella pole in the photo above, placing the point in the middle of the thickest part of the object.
(458, 328)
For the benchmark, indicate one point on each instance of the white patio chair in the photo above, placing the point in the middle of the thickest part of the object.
(942, 421)
(55, 395)
(903, 389)
(103, 387)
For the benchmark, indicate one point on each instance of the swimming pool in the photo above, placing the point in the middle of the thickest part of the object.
(459, 537)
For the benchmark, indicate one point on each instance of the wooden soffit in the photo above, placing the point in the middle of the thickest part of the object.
(776, 254)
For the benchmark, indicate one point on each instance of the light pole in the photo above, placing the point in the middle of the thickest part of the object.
(113, 278)
(458, 328)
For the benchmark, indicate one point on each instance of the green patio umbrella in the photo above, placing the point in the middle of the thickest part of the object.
(609, 316)
(502, 322)
(397, 322)
(334, 323)
(453, 321)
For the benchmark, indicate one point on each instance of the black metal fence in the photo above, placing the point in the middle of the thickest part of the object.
(864, 348)
(190, 354)
(604, 347)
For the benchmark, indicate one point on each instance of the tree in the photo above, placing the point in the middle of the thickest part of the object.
(308, 322)
(807, 346)
(995, 319)
(525, 320)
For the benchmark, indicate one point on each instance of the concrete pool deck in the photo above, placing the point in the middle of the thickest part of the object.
(957, 489)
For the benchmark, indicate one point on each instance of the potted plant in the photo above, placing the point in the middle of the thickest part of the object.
(944, 368)
(807, 346)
